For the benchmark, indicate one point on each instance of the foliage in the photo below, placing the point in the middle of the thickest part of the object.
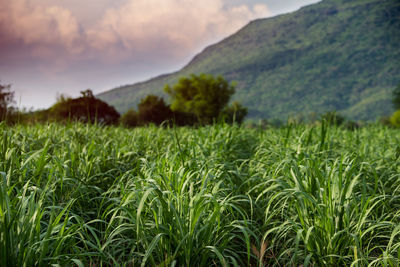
(333, 55)
(130, 118)
(234, 113)
(385, 120)
(333, 118)
(6, 98)
(210, 196)
(153, 109)
(396, 97)
(183, 119)
(395, 119)
(203, 95)
(352, 125)
(86, 108)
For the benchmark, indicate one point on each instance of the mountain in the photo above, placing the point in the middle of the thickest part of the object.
(334, 55)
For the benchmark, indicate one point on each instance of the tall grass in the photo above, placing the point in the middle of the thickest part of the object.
(218, 195)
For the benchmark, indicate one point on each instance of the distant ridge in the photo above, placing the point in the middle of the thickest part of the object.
(333, 55)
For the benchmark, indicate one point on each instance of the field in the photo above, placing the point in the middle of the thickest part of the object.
(213, 196)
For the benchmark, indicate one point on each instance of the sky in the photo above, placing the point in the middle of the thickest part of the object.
(53, 47)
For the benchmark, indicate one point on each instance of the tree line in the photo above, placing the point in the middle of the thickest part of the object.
(195, 100)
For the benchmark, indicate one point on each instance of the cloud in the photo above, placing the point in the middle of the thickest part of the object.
(177, 26)
(134, 30)
(22, 21)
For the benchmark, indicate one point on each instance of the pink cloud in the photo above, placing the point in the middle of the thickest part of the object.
(40, 25)
(180, 26)
(136, 28)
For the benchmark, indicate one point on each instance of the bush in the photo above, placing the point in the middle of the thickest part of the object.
(351, 125)
(153, 109)
(385, 120)
(396, 97)
(86, 108)
(234, 113)
(333, 118)
(395, 119)
(6, 99)
(183, 118)
(130, 118)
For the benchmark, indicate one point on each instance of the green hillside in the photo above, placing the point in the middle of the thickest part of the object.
(334, 55)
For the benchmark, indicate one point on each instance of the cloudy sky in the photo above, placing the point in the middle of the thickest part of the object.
(48, 47)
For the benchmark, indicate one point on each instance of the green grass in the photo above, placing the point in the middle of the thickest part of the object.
(213, 196)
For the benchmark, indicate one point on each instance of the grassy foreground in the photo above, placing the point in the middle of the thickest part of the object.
(214, 196)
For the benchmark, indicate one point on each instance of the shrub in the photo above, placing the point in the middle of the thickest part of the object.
(86, 108)
(234, 113)
(6, 99)
(333, 118)
(385, 120)
(153, 109)
(130, 118)
(395, 119)
(396, 97)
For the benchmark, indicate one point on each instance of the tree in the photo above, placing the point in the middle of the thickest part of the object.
(395, 119)
(6, 99)
(86, 108)
(396, 97)
(234, 113)
(153, 109)
(333, 118)
(130, 118)
(204, 96)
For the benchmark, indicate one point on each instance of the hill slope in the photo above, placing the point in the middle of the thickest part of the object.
(334, 55)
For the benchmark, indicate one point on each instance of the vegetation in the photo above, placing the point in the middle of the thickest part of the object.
(196, 100)
(395, 119)
(210, 196)
(6, 99)
(130, 119)
(203, 95)
(86, 109)
(235, 112)
(324, 194)
(153, 109)
(396, 97)
(332, 117)
(333, 55)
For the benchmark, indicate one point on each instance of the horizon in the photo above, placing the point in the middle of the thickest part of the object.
(83, 51)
